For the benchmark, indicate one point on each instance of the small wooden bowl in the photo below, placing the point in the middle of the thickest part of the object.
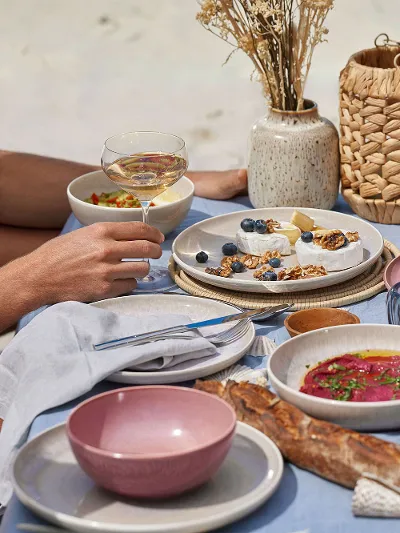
(323, 317)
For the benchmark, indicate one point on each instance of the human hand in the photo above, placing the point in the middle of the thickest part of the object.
(86, 265)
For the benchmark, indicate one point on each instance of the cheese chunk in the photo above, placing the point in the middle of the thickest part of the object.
(257, 244)
(302, 221)
(291, 231)
(309, 253)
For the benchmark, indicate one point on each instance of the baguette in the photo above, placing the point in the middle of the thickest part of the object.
(326, 449)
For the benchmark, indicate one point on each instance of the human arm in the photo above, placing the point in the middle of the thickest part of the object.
(84, 265)
(219, 185)
(33, 188)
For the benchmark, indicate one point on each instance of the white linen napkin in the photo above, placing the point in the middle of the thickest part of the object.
(51, 361)
(375, 497)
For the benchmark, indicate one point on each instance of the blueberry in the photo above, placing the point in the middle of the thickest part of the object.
(307, 236)
(275, 262)
(260, 226)
(346, 242)
(247, 224)
(237, 267)
(202, 257)
(269, 276)
(229, 249)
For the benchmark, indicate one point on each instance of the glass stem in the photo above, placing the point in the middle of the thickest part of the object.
(145, 218)
(145, 211)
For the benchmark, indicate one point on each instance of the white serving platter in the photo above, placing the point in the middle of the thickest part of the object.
(210, 234)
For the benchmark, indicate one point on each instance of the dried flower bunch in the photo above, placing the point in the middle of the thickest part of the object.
(279, 36)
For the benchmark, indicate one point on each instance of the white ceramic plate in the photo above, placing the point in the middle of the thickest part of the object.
(287, 367)
(197, 309)
(209, 235)
(49, 481)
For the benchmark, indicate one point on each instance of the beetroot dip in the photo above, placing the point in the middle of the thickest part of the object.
(367, 376)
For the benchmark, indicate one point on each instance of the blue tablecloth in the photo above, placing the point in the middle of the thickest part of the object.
(303, 501)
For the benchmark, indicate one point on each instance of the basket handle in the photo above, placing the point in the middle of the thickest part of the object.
(385, 40)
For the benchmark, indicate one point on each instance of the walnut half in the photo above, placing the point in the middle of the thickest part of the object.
(250, 261)
(271, 225)
(260, 271)
(227, 260)
(269, 255)
(298, 272)
(331, 240)
(223, 272)
(352, 236)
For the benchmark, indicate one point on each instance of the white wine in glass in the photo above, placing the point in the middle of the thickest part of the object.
(145, 164)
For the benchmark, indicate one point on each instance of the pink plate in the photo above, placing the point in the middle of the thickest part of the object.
(392, 273)
(151, 442)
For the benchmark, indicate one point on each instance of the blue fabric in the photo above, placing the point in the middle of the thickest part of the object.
(303, 500)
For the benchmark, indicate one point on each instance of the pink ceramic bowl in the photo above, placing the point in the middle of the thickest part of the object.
(151, 442)
(391, 275)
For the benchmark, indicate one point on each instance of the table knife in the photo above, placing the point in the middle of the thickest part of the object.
(189, 327)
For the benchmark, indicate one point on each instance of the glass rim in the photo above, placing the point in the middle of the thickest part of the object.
(183, 144)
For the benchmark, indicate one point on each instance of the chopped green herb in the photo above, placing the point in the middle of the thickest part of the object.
(307, 366)
(344, 396)
(335, 366)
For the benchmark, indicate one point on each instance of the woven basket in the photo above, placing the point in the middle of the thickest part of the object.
(370, 134)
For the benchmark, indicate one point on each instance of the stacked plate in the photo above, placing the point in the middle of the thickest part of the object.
(210, 235)
(49, 481)
(197, 309)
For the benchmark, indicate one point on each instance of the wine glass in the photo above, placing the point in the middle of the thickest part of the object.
(145, 164)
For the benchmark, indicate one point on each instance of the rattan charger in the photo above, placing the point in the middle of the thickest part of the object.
(370, 134)
(364, 286)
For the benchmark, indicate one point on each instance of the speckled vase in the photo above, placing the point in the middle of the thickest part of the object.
(294, 160)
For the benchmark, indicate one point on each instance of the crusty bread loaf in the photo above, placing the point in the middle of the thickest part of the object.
(328, 450)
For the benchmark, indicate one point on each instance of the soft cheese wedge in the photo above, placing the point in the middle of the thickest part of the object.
(333, 260)
(291, 231)
(257, 244)
(302, 221)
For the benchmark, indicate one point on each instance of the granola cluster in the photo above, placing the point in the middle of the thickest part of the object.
(223, 272)
(298, 272)
(330, 240)
(352, 236)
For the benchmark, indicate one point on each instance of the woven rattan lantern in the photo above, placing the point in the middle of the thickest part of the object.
(370, 133)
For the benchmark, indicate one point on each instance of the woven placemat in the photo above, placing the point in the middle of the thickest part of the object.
(355, 290)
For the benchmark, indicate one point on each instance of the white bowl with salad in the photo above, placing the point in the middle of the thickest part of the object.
(95, 198)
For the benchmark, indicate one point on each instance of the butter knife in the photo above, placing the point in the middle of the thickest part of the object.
(152, 335)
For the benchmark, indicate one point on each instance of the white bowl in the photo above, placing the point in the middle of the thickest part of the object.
(164, 217)
(287, 367)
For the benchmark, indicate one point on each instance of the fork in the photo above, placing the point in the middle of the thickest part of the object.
(218, 339)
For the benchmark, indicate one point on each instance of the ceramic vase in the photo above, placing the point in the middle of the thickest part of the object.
(294, 159)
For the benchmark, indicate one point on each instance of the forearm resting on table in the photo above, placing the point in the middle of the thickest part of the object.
(18, 293)
(33, 189)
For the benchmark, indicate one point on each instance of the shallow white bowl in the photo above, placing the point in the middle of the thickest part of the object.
(287, 367)
(164, 217)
